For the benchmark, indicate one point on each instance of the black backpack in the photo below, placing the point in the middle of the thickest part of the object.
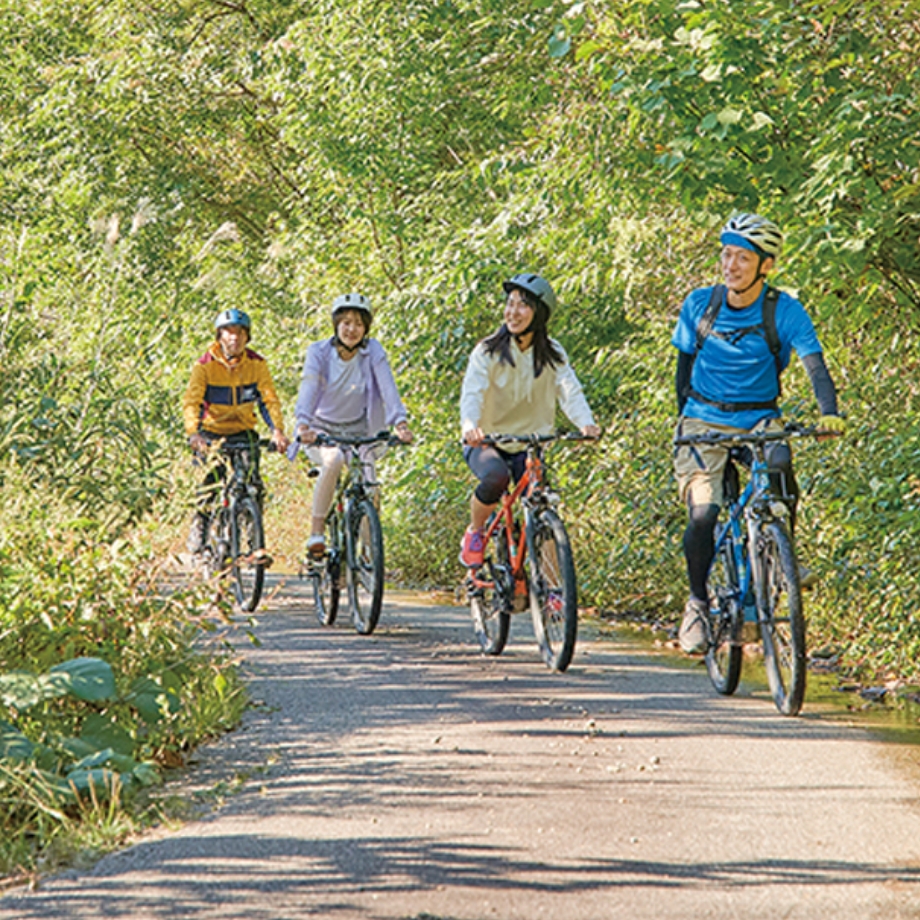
(704, 328)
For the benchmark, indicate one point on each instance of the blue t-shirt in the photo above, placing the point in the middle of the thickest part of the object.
(735, 364)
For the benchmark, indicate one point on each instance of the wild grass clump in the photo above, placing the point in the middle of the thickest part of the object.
(110, 673)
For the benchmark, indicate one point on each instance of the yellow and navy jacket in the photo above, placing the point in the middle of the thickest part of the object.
(221, 398)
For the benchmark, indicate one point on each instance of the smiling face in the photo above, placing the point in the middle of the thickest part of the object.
(350, 328)
(232, 341)
(740, 267)
(518, 313)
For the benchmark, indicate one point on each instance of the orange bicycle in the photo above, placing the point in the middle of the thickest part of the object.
(527, 566)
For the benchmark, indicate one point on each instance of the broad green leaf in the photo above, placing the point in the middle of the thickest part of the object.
(106, 758)
(90, 679)
(103, 733)
(98, 781)
(19, 690)
(730, 116)
(559, 43)
(14, 745)
(146, 774)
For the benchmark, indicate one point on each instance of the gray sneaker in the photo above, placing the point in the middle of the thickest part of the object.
(694, 634)
(197, 534)
(807, 578)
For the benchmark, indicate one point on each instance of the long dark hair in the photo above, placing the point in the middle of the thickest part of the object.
(544, 351)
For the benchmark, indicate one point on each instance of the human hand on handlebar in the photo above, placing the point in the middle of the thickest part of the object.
(473, 437)
(403, 432)
(831, 426)
(591, 431)
(306, 435)
(198, 443)
(280, 441)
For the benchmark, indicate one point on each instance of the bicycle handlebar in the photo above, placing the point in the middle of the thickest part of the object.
(791, 430)
(328, 440)
(493, 440)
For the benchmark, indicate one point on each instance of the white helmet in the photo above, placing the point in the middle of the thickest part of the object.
(761, 233)
(353, 302)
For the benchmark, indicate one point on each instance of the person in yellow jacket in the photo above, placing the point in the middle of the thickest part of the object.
(229, 381)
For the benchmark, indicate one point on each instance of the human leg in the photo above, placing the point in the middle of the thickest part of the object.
(491, 468)
(329, 461)
(700, 470)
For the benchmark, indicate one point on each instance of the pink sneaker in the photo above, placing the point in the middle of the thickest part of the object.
(471, 548)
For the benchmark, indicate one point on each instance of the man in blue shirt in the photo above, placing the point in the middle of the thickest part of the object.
(728, 381)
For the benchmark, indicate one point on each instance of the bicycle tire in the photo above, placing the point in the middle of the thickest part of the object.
(365, 566)
(327, 573)
(553, 591)
(247, 545)
(782, 621)
(726, 621)
(489, 605)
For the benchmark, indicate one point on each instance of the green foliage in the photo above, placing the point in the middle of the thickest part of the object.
(160, 162)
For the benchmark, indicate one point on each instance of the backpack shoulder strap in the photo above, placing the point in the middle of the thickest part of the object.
(770, 332)
(769, 321)
(708, 319)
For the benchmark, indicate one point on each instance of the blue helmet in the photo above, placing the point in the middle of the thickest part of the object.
(535, 285)
(233, 317)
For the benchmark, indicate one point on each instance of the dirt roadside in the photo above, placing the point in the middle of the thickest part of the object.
(404, 776)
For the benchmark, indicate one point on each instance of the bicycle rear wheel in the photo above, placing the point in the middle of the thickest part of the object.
(782, 620)
(723, 657)
(327, 572)
(553, 593)
(365, 566)
(247, 546)
(488, 605)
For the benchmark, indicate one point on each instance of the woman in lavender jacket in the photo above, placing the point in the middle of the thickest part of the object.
(347, 390)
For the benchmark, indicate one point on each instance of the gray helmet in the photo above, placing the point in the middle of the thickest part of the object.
(233, 317)
(533, 284)
(755, 230)
(353, 302)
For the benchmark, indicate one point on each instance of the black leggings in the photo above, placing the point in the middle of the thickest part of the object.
(494, 468)
(699, 537)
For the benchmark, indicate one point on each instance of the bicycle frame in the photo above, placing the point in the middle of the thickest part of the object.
(755, 505)
(504, 518)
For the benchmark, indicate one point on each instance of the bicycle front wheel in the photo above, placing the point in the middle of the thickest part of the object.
(488, 604)
(247, 545)
(327, 572)
(553, 595)
(723, 658)
(782, 620)
(365, 567)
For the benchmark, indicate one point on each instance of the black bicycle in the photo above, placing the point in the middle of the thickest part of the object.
(234, 543)
(354, 541)
(755, 568)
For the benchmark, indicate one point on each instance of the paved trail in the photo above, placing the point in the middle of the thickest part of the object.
(404, 776)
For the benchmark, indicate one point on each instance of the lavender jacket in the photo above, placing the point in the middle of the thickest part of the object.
(384, 407)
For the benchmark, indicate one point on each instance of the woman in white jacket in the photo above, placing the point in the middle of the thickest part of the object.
(513, 381)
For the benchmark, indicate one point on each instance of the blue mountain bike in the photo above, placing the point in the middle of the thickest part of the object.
(755, 570)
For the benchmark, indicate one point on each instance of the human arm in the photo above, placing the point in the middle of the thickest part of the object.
(274, 416)
(682, 379)
(572, 399)
(472, 396)
(192, 403)
(825, 393)
(393, 408)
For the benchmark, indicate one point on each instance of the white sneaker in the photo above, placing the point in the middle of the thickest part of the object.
(694, 633)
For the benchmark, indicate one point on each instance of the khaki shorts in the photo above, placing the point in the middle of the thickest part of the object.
(700, 467)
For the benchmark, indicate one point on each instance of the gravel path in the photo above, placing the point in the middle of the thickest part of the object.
(404, 776)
